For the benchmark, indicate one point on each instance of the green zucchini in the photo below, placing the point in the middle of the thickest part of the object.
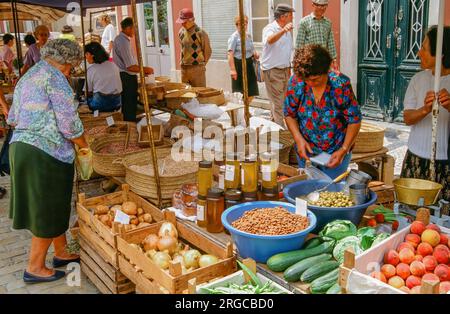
(335, 289)
(318, 270)
(280, 262)
(325, 282)
(293, 272)
(312, 243)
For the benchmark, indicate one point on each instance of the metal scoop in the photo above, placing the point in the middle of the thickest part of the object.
(315, 195)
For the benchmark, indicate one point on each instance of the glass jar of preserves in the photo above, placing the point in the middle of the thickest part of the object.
(205, 177)
(270, 194)
(269, 170)
(249, 174)
(201, 211)
(232, 197)
(232, 171)
(189, 194)
(215, 205)
(250, 197)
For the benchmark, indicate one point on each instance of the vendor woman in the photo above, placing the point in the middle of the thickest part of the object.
(103, 80)
(418, 104)
(321, 110)
(42, 156)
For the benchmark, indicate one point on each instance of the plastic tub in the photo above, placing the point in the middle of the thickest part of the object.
(262, 247)
(327, 214)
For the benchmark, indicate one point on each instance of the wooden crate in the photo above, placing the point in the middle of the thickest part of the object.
(385, 193)
(99, 235)
(293, 174)
(103, 275)
(173, 281)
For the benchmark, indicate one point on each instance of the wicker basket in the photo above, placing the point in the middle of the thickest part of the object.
(145, 185)
(109, 165)
(370, 139)
(101, 119)
(119, 127)
(175, 99)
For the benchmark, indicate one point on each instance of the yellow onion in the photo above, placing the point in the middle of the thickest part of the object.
(206, 260)
(150, 242)
(167, 243)
(168, 227)
(162, 259)
(191, 258)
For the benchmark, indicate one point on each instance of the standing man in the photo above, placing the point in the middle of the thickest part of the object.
(195, 50)
(317, 29)
(126, 62)
(276, 58)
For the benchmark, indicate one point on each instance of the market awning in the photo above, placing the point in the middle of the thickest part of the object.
(31, 12)
(67, 5)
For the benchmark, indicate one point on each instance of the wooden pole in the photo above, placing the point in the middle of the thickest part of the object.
(437, 81)
(15, 17)
(148, 110)
(244, 62)
(86, 92)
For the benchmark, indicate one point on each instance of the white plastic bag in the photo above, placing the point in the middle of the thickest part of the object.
(205, 111)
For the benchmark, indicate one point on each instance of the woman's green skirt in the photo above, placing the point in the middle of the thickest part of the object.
(41, 191)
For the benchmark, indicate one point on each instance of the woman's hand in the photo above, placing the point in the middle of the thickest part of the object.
(336, 158)
(444, 99)
(234, 74)
(428, 102)
(303, 148)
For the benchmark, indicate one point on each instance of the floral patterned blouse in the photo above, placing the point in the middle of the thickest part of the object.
(324, 125)
(44, 112)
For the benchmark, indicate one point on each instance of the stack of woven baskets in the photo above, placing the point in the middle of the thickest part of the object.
(370, 139)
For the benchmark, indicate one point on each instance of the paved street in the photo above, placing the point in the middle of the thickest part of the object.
(14, 245)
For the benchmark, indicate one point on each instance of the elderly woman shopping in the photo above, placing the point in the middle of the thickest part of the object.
(46, 128)
(418, 105)
(321, 110)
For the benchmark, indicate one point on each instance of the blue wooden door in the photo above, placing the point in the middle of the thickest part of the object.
(390, 35)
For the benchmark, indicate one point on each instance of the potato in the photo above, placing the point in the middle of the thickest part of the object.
(141, 218)
(134, 221)
(101, 210)
(140, 211)
(129, 208)
(106, 220)
(116, 207)
(148, 218)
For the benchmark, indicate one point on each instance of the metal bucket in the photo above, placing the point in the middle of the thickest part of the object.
(356, 177)
(359, 193)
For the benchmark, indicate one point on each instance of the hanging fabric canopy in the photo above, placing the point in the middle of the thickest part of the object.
(31, 12)
(64, 4)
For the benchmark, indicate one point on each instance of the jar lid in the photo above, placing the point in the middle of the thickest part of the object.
(233, 195)
(266, 156)
(205, 164)
(252, 195)
(251, 158)
(215, 192)
(273, 191)
(201, 198)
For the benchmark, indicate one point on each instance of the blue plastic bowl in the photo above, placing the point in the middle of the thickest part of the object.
(327, 214)
(262, 247)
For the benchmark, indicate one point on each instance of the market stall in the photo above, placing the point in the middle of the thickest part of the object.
(185, 226)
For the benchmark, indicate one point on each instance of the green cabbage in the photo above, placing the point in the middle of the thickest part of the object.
(366, 235)
(380, 237)
(344, 244)
(339, 229)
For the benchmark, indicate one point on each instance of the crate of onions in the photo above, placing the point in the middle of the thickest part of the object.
(163, 257)
(96, 219)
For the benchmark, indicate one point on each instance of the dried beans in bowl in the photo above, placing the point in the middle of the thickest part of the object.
(271, 221)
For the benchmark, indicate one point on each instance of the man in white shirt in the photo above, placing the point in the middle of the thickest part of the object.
(109, 33)
(276, 58)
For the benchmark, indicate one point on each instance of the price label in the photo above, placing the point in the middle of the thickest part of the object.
(229, 173)
(300, 207)
(110, 121)
(96, 113)
(266, 173)
(242, 177)
(122, 218)
(200, 212)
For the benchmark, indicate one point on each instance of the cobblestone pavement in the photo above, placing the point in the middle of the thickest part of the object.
(14, 244)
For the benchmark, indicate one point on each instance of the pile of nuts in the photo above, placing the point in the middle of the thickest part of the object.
(270, 221)
(119, 148)
(333, 199)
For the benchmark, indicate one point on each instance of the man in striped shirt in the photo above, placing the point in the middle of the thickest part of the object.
(317, 29)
